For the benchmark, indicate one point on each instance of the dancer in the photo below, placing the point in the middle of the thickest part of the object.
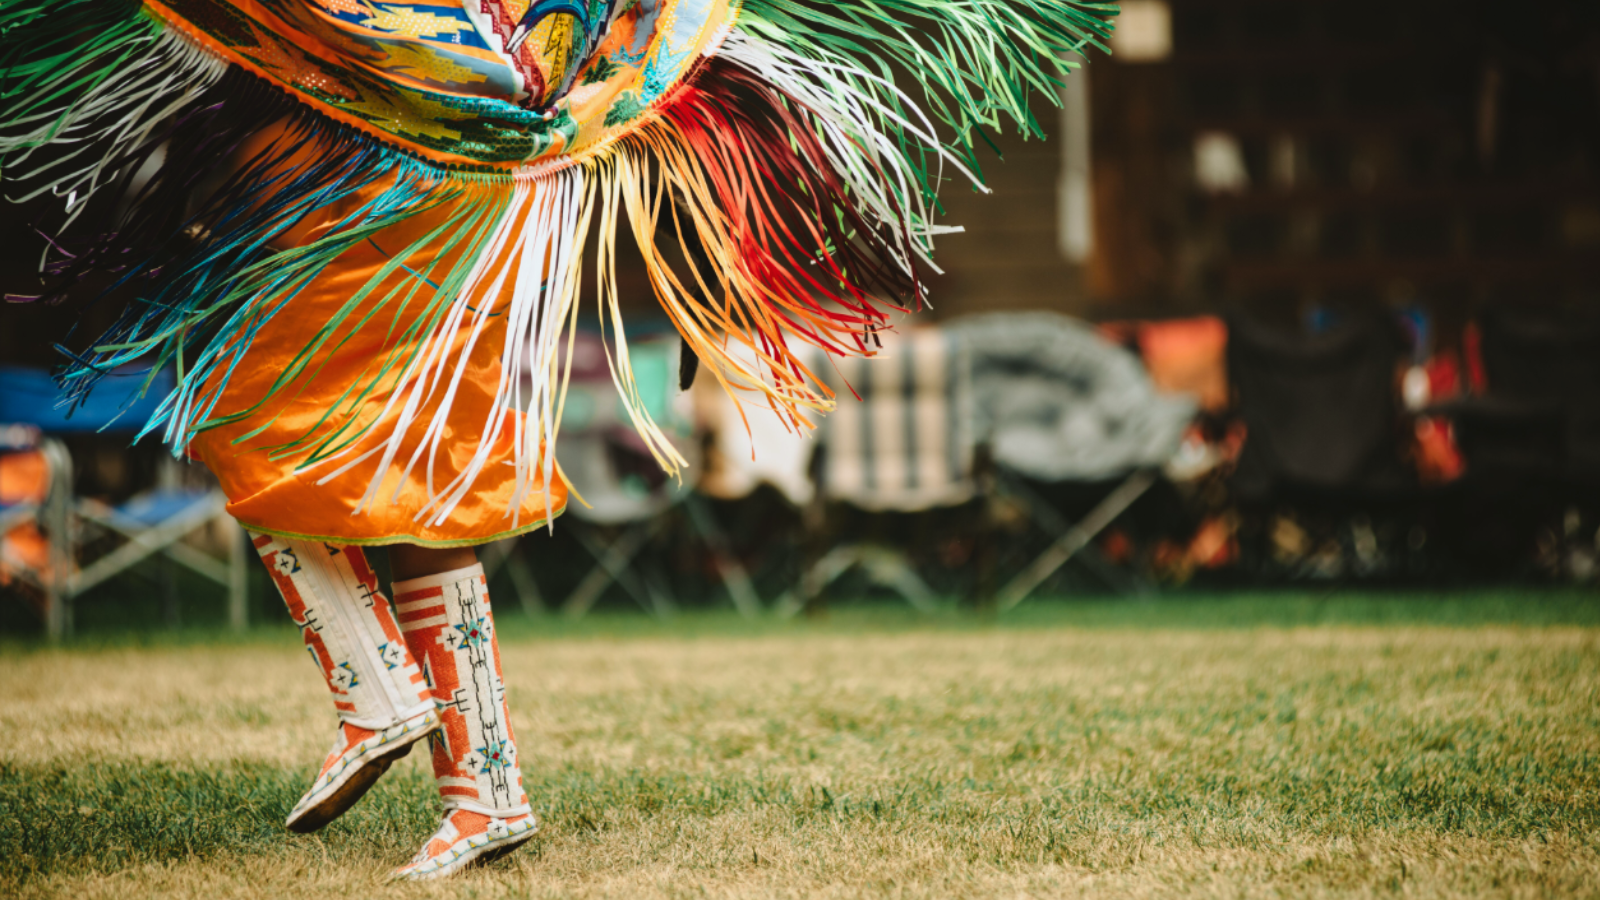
(359, 231)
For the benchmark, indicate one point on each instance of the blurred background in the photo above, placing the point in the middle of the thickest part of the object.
(1292, 293)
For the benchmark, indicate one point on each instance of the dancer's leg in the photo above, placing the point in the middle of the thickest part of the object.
(408, 561)
(383, 701)
(450, 629)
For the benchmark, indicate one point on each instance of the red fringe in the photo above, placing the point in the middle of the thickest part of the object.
(798, 229)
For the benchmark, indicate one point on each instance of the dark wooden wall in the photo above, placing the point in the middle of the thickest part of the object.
(1442, 153)
(1009, 257)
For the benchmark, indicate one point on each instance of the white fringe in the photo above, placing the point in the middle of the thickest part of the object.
(536, 251)
(169, 75)
(540, 234)
(854, 128)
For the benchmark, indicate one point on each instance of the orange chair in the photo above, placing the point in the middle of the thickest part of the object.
(35, 520)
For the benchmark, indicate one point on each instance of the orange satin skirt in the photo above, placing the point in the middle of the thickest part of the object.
(275, 492)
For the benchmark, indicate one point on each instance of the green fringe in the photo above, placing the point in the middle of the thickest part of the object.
(978, 61)
(200, 304)
(43, 42)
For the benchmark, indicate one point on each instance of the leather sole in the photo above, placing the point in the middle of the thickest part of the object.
(352, 788)
(476, 856)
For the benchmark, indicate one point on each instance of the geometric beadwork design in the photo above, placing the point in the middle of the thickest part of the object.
(449, 627)
(350, 631)
(464, 82)
(348, 628)
(463, 837)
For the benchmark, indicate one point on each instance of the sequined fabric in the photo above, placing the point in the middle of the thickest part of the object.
(476, 83)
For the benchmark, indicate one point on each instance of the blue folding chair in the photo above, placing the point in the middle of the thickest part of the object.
(152, 523)
(30, 508)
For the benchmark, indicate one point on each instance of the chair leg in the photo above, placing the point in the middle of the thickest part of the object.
(238, 577)
(171, 610)
(528, 593)
(821, 559)
(892, 570)
(814, 581)
(1075, 539)
(612, 565)
(734, 576)
(59, 529)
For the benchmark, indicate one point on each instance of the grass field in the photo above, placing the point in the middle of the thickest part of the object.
(1283, 746)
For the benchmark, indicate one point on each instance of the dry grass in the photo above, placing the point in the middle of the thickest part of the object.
(1129, 759)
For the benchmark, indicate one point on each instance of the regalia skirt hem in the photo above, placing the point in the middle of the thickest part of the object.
(391, 539)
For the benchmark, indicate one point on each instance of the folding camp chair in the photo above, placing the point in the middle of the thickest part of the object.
(154, 523)
(1549, 360)
(1323, 441)
(1531, 443)
(906, 447)
(626, 500)
(35, 509)
(755, 471)
(624, 505)
(1058, 404)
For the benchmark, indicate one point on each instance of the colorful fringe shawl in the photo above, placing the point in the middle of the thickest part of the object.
(771, 140)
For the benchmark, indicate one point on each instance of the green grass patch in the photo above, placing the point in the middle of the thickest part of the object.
(111, 817)
(1256, 746)
(1181, 611)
